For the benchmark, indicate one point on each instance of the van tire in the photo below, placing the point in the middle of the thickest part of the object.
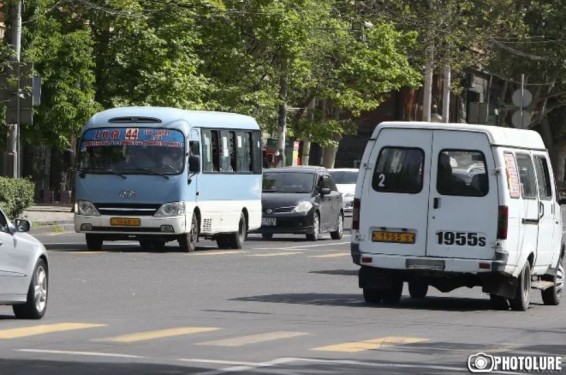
(93, 241)
(236, 240)
(498, 302)
(188, 241)
(339, 228)
(315, 228)
(522, 295)
(392, 295)
(418, 289)
(551, 296)
(373, 295)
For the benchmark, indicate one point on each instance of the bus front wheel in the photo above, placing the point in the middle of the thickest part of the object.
(188, 241)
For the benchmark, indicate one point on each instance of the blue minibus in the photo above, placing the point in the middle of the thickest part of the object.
(158, 174)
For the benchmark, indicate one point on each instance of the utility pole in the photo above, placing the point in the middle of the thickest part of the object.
(446, 94)
(12, 155)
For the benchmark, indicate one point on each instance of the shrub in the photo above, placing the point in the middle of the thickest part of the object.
(16, 195)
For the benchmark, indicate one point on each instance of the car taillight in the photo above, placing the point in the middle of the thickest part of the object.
(356, 214)
(502, 222)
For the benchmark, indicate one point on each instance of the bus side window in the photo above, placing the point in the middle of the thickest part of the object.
(207, 165)
(216, 150)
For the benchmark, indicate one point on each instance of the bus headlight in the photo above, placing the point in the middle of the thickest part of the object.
(171, 209)
(303, 207)
(86, 208)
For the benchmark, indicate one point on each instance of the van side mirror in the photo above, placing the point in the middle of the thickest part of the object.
(194, 164)
(562, 201)
(324, 191)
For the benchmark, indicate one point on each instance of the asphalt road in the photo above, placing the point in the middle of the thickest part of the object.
(285, 306)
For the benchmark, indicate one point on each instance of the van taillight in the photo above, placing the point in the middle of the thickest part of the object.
(356, 214)
(502, 222)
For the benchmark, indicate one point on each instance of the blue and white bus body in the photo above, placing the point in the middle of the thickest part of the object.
(156, 204)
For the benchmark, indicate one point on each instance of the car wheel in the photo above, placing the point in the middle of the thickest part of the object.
(314, 235)
(418, 289)
(267, 236)
(521, 300)
(551, 296)
(36, 302)
(188, 241)
(498, 302)
(93, 241)
(236, 240)
(339, 228)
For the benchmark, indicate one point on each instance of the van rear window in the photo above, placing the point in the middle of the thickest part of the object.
(399, 170)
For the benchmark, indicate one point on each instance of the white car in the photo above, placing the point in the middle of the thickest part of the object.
(345, 179)
(23, 269)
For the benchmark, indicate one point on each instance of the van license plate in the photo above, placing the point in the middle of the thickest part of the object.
(397, 237)
(269, 221)
(125, 221)
(425, 264)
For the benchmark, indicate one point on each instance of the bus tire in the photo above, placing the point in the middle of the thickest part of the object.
(236, 240)
(93, 241)
(188, 241)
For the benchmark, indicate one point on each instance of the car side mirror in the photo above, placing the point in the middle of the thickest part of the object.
(324, 191)
(22, 225)
(194, 164)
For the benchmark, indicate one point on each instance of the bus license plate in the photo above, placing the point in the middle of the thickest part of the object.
(396, 237)
(125, 221)
(268, 221)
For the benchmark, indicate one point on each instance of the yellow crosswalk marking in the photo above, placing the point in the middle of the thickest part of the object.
(359, 346)
(42, 329)
(151, 335)
(253, 339)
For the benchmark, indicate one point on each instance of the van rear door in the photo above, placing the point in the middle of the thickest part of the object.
(402, 211)
(395, 193)
(464, 203)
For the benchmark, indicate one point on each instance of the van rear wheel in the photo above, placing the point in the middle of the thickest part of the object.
(418, 289)
(373, 295)
(551, 296)
(522, 295)
(392, 294)
(498, 302)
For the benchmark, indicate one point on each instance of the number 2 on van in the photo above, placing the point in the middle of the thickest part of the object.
(460, 238)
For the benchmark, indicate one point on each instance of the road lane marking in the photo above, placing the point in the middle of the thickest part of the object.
(43, 329)
(298, 247)
(219, 362)
(253, 339)
(93, 354)
(283, 253)
(359, 346)
(330, 255)
(152, 335)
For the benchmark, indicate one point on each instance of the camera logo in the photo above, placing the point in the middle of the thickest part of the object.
(480, 362)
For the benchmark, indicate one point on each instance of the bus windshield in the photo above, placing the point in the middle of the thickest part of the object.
(132, 151)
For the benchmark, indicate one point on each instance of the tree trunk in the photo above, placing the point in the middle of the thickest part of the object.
(282, 120)
(329, 156)
(305, 153)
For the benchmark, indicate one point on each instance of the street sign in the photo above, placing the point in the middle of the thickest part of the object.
(521, 121)
(522, 100)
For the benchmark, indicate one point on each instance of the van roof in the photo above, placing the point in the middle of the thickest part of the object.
(498, 136)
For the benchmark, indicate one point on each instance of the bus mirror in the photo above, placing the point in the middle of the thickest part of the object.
(194, 164)
(68, 158)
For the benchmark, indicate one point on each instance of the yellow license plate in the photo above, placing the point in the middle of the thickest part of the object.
(397, 237)
(125, 221)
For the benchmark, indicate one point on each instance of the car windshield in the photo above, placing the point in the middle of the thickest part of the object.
(344, 177)
(287, 182)
(107, 151)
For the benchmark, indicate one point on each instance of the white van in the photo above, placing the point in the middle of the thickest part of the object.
(452, 205)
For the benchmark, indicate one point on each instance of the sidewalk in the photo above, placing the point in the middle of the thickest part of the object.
(46, 217)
